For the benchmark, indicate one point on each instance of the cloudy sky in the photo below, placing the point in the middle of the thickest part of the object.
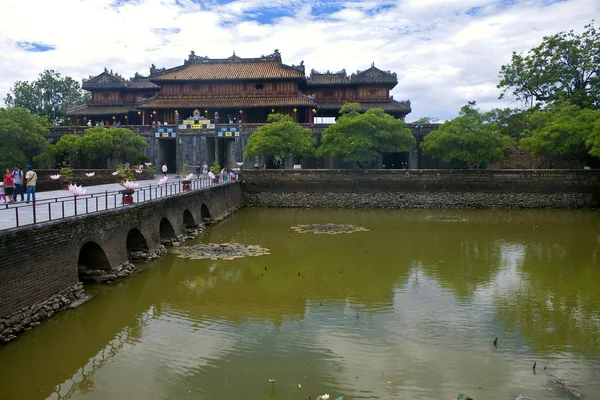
(445, 52)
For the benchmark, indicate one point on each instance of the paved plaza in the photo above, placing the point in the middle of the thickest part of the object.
(57, 204)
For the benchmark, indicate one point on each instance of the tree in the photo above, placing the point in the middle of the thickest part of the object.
(511, 122)
(21, 137)
(279, 138)
(364, 138)
(114, 143)
(564, 130)
(67, 149)
(49, 96)
(466, 140)
(563, 67)
(425, 120)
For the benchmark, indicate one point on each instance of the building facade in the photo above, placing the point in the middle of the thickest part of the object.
(239, 89)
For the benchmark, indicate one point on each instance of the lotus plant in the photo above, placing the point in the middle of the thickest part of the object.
(90, 174)
(139, 171)
(147, 164)
(115, 173)
(189, 177)
(131, 185)
(163, 180)
(55, 176)
(239, 164)
(77, 190)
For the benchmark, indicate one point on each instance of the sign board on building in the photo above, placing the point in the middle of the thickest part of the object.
(165, 133)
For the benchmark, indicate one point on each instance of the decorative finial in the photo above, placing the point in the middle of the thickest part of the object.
(373, 64)
(234, 53)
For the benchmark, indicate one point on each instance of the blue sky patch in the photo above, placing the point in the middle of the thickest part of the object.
(35, 47)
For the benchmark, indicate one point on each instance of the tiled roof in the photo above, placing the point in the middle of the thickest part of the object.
(110, 110)
(226, 102)
(328, 78)
(141, 83)
(110, 80)
(392, 105)
(374, 75)
(230, 70)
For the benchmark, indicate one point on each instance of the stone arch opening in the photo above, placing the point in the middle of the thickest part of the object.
(204, 213)
(188, 220)
(92, 256)
(136, 241)
(166, 229)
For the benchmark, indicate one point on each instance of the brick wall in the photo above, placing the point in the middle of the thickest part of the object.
(39, 261)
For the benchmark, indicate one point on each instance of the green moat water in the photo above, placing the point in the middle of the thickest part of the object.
(406, 310)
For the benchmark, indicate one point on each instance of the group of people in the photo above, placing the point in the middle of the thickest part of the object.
(15, 182)
(103, 123)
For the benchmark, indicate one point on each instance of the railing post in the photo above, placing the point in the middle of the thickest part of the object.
(34, 214)
(17, 215)
(75, 204)
(106, 200)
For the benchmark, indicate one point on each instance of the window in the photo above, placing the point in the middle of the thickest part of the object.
(260, 86)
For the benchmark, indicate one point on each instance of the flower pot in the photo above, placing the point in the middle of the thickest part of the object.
(127, 196)
(215, 180)
(65, 186)
(186, 186)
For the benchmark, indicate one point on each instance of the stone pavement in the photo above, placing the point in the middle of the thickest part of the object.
(57, 204)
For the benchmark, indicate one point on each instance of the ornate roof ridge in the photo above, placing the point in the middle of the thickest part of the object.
(340, 72)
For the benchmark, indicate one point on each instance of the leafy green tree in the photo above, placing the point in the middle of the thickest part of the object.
(564, 130)
(466, 140)
(511, 122)
(21, 137)
(279, 138)
(49, 96)
(364, 138)
(563, 67)
(593, 140)
(67, 149)
(425, 120)
(114, 143)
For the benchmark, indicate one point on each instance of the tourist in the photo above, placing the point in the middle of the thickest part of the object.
(127, 165)
(164, 169)
(153, 123)
(2, 195)
(198, 169)
(224, 175)
(31, 178)
(89, 123)
(18, 179)
(158, 123)
(9, 184)
(166, 123)
(204, 170)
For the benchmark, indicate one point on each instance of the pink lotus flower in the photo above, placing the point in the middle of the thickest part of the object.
(239, 164)
(77, 190)
(139, 171)
(163, 180)
(115, 173)
(131, 185)
(55, 176)
(90, 174)
(211, 175)
(147, 164)
(189, 177)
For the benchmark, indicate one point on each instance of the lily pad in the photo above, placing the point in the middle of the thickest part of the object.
(224, 251)
(329, 229)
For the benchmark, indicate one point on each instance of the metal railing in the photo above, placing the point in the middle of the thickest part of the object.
(45, 210)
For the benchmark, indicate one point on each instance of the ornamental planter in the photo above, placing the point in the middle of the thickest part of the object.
(186, 186)
(215, 180)
(127, 196)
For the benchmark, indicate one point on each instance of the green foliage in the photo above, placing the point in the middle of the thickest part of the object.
(563, 130)
(151, 169)
(215, 168)
(513, 123)
(350, 108)
(362, 138)
(21, 137)
(425, 120)
(66, 174)
(185, 169)
(281, 137)
(466, 140)
(48, 96)
(126, 174)
(67, 148)
(563, 67)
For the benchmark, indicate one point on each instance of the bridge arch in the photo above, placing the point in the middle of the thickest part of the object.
(92, 256)
(136, 241)
(204, 212)
(188, 219)
(166, 229)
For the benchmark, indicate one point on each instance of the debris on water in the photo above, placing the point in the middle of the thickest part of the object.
(329, 228)
(496, 342)
(224, 251)
(446, 218)
(564, 385)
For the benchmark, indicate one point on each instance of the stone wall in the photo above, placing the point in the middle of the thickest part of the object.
(421, 189)
(41, 261)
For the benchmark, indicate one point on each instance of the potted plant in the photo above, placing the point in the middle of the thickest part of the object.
(187, 176)
(128, 191)
(150, 169)
(124, 174)
(215, 168)
(66, 174)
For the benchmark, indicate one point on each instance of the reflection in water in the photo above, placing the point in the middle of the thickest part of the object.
(408, 309)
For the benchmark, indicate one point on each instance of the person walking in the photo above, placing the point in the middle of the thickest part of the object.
(164, 169)
(198, 169)
(2, 195)
(9, 185)
(31, 178)
(19, 181)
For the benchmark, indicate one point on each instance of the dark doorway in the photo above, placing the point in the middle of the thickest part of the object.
(136, 241)
(91, 256)
(395, 160)
(166, 229)
(204, 213)
(168, 153)
(210, 150)
(188, 220)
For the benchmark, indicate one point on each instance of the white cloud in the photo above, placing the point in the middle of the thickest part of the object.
(445, 52)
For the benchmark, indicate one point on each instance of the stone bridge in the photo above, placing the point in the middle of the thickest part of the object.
(41, 262)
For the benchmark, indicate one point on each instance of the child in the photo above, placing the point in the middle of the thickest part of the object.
(2, 195)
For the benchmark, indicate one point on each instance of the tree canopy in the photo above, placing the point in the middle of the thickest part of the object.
(50, 95)
(564, 130)
(280, 138)
(21, 137)
(363, 138)
(563, 67)
(467, 139)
